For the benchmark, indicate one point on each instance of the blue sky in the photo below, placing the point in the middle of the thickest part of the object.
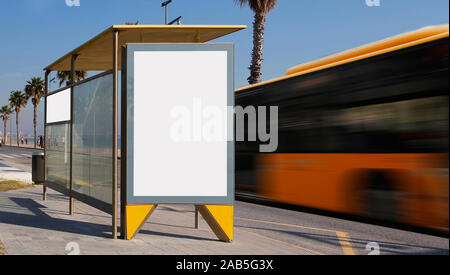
(37, 32)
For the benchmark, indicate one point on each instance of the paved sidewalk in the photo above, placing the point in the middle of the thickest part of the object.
(29, 225)
(10, 173)
(29, 145)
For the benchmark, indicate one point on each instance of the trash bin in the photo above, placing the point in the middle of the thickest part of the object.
(38, 168)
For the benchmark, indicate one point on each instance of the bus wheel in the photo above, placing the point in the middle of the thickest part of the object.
(381, 198)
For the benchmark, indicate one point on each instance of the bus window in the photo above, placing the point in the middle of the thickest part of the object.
(419, 125)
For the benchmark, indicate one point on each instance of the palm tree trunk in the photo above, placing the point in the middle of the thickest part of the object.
(17, 128)
(34, 121)
(257, 52)
(4, 131)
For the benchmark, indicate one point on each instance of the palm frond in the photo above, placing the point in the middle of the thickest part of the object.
(17, 100)
(64, 76)
(258, 6)
(35, 89)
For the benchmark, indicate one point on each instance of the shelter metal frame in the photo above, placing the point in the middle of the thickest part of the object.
(101, 53)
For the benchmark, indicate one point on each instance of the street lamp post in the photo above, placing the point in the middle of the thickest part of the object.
(10, 132)
(165, 4)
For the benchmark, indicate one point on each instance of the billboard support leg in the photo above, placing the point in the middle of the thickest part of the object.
(44, 192)
(220, 219)
(136, 217)
(196, 218)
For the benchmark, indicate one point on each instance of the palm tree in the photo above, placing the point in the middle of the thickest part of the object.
(5, 112)
(260, 8)
(64, 76)
(17, 100)
(35, 89)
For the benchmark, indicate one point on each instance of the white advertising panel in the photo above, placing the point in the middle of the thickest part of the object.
(180, 124)
(58, 106)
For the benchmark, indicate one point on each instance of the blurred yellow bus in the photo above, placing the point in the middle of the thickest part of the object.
(362, 132)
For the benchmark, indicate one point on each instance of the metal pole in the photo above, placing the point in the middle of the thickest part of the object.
(115, 121)
(44, 188)
(72, 81)
(166, 15)
(196, 217)
(123, 148)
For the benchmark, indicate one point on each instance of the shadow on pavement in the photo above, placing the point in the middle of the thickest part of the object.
(41, 220)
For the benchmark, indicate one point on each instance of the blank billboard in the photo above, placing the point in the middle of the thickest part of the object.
(178, 123)
(58, 106)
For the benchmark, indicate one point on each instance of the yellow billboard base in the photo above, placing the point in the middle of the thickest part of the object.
(136, 216)
(218, 217)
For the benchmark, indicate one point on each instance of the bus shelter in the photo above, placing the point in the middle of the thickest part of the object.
(81, 122)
